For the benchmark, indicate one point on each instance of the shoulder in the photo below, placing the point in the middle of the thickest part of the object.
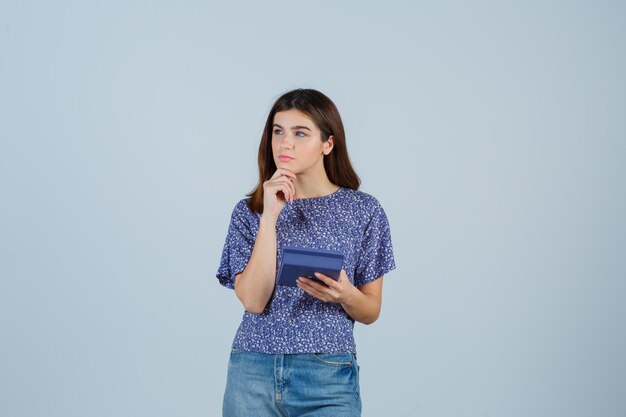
(242, 206)
(242, 211)
(367, 204)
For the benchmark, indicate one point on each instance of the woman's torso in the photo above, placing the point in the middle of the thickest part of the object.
(294, 321)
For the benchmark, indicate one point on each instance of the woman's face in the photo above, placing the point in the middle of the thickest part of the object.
(297, 143)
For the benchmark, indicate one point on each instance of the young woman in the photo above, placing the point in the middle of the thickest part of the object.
(294, 352)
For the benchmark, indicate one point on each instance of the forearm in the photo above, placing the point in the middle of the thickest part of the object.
(254, 286)
(364, 308)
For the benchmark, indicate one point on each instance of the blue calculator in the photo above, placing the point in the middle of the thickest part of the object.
(304, 262)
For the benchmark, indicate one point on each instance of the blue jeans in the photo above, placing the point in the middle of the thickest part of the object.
(302, 385)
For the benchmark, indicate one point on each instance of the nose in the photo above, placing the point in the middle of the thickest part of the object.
(286, 141)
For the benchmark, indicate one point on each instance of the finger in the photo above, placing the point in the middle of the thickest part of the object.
(319, 289)
(312, 286)
(289, 182)
(283, 172)
(287, 192)
(343, 276)
(278, 173)
(287, 173)
(274, 186)
(312, 283)
(293, 188)
(312, 289)
(289, 186)
(326, 279)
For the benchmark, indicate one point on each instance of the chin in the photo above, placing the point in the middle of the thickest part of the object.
(287, 165)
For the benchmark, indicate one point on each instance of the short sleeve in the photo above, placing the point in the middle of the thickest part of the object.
(237, 246)
(376, 253)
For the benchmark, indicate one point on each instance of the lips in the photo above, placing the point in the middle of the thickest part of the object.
(285, 158)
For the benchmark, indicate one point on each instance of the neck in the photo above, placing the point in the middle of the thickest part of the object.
(309, 187)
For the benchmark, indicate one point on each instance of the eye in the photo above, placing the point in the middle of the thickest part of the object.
(277, 131)
(303, 134)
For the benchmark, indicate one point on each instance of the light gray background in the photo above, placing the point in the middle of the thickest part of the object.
(492, 133)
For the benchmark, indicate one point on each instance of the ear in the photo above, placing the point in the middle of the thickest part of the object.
(328, 145)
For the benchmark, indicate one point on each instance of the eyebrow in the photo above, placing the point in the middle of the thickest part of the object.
(293, 127)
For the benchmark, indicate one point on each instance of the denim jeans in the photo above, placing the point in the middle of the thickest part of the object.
(290, 385)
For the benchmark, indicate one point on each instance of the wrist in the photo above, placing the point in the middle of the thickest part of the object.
(353, 293)
(268, 219)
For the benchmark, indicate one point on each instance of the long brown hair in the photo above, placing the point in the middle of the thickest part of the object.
(325, 115)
